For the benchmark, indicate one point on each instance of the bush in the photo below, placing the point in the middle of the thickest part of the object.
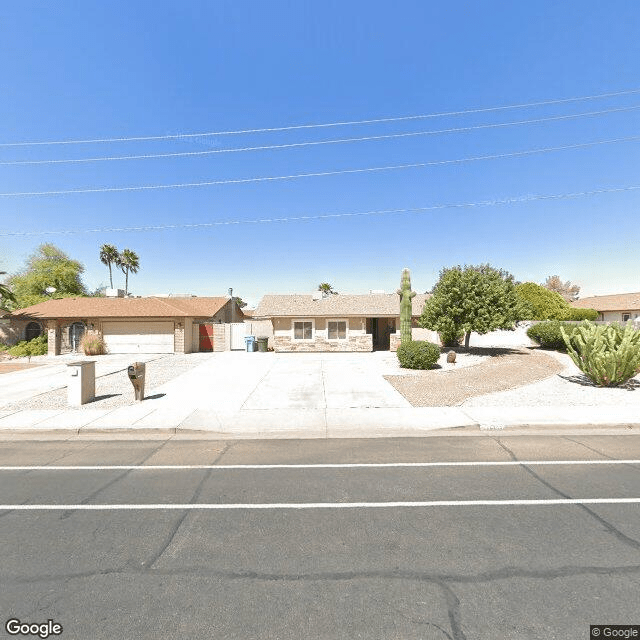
(540, 303)
(93, 345)
(607, 355)
(548, 334)
(418, 354)
(3, 346)
(582, 314)
(35, 347)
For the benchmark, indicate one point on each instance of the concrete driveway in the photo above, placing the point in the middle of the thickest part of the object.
(234, 381)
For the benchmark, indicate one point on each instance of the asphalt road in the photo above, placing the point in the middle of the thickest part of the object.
(514, 537)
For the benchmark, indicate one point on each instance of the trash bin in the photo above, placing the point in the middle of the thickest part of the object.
(263, 344)
(136, 373)
(250, 341)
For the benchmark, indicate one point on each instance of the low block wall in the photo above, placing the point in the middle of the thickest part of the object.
(352, 344)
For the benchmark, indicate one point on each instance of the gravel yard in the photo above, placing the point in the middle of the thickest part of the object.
(115, 390)
(506, 369)
(570, 387)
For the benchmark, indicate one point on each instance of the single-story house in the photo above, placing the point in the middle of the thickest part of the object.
(13, 330)
(619, 307)
(139, 325)
(341, 322)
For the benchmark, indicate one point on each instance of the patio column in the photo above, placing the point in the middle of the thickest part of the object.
(53, 338)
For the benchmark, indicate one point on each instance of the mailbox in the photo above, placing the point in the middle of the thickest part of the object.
(136, 373)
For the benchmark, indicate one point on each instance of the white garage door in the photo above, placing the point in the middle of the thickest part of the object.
(138, 337)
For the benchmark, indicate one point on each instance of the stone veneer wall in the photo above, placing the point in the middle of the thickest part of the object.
(178, 338)
(353, 343)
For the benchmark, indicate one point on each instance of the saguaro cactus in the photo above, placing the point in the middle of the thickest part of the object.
(405, 294)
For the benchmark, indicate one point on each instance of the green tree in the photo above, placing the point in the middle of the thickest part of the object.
(47, 267)
(476, 298)
(240, 302)
(109, 255)
(539, 303)
(327, 289)
(129, 263)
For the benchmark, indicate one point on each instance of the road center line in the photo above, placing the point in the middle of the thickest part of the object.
(314, 505)
(355, 465)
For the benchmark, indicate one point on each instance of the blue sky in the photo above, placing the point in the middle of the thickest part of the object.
(85, 70)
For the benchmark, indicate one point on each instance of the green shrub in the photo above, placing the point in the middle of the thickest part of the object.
(548, 334)
(93, 345)
(3, 346)
(607, 355)
(582, 314)
(540, 303)
(35, 347)
(418, 354)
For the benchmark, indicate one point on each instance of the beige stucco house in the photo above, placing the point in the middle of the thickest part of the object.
(342, 322)
(619, 307)
(139, 325)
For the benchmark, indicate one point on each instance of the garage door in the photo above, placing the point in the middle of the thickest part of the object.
(138, 337)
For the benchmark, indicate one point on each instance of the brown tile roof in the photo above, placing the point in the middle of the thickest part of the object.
(615, 302)
(123, 308)
(371, 305)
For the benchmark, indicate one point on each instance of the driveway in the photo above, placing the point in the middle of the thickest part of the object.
(232, 381)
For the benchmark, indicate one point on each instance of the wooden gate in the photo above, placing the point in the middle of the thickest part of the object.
(206, 337)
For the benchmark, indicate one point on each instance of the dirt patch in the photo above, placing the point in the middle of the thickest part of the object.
(451, 388)
(8, 367)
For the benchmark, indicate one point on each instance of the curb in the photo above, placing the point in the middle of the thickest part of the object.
(475, 430)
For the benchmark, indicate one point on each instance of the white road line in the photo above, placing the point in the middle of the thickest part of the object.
(314, 505)
(356, 465)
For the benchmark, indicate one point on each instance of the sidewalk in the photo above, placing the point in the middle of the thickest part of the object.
(314, 423)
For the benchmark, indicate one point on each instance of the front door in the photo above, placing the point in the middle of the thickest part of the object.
(206, 337)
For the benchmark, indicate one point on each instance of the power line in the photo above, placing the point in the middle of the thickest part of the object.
(322, 142)
(415, 165)
(326, 216)
(540, 103)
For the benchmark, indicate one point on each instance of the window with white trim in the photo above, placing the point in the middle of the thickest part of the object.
(303, 329)
(337, 329)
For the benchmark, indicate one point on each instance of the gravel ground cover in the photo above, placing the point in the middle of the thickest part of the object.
(570, 387)
(505, 369)
(115, 390)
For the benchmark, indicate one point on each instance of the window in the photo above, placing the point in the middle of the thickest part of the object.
(626, 316)
(303, 330)
(337, 329)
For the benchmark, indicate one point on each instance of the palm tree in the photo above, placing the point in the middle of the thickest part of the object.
(129, 262)
(326, 289)
(108, 255)
(5, 292)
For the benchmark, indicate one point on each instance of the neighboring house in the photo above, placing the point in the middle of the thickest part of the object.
(139, 325)
(619, 307)
(14, 330)
(334, 323)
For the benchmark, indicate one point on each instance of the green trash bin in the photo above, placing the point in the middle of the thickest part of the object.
(263, 344)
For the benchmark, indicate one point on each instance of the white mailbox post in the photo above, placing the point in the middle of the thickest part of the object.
(82, 382)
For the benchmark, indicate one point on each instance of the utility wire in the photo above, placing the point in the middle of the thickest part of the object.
(433, 163)
(322, 142)
(326, 216)
(176, 136)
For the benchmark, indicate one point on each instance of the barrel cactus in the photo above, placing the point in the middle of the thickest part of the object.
(405, 294)
(608, 355)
